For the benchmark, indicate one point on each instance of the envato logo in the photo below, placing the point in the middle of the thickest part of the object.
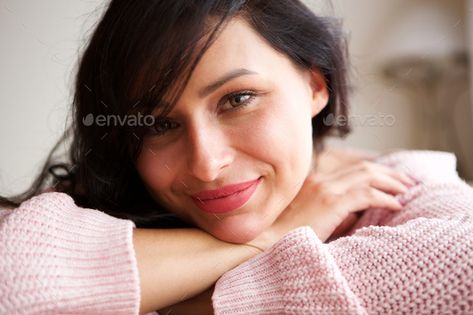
(138, 120)
(370, 120)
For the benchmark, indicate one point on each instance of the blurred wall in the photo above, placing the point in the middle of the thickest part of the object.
(378, 36)
(426, 103)
(39, 43)
(469, 13)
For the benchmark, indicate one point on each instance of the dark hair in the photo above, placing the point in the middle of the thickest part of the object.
(135, 56)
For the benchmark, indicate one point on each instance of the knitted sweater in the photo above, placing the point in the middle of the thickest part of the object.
(416, 261)
(58, 258)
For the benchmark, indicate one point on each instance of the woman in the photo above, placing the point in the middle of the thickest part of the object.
(238, 92)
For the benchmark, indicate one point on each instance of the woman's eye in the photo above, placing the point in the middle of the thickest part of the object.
(161, 126)
(237, 100)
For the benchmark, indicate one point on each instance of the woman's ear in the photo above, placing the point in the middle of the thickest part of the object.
(320, 93)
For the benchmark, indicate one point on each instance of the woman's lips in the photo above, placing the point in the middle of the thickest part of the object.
(227, 198)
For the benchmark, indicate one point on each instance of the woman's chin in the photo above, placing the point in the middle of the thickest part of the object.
(237, 229)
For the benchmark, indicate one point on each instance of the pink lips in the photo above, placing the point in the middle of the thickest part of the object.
(227, 198)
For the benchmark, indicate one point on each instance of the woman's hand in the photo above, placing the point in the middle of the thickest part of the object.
(325, 201)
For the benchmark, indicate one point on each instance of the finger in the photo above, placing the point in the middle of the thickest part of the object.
(400, 176)
(362, 178)
(388, 184)
(363, 198)
(379, 168)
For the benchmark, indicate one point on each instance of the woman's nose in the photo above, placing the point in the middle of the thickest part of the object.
(210, 152)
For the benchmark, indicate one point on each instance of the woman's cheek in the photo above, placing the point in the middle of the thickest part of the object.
(263, 129)
(155, 170)
(157, 177)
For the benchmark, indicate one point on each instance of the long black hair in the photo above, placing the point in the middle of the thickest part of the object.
(135, 56)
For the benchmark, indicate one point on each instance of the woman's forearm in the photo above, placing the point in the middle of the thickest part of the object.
(176, 264)
(200, 304)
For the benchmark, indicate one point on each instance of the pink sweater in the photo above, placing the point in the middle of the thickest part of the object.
(60, 258)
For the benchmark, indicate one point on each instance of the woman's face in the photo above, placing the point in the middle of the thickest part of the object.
(244, 118)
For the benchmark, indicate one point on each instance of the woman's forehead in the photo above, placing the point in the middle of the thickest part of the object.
(238, 50)
(238, 45)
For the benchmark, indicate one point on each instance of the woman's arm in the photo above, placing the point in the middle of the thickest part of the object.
(422, 266)
(200, 304)
(87, 256)
(323, 214)
(177, 264)
(57, 257)
(419, 262)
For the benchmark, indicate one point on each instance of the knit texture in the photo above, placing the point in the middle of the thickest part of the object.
(57, 258)
(416, 261)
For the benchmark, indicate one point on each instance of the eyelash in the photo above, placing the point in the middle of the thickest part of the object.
(231, 95)
(223, 101)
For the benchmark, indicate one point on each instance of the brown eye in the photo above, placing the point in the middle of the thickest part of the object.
(161, 126)
(237, 100)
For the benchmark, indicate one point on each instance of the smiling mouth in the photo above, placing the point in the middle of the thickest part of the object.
(226, 199)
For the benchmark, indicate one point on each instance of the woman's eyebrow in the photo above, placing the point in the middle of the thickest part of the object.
(224, 79)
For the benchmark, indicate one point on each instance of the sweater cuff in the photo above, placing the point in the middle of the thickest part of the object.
(61, 258)
(296, 275)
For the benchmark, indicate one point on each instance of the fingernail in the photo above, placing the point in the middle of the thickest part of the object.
(400, 205)
(409, 180)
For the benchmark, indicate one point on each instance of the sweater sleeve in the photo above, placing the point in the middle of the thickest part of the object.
(57, 257)
(416, 261)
